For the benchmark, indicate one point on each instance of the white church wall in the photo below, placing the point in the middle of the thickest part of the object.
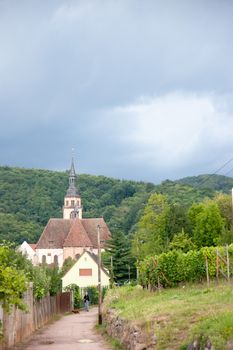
(50, 254)
(30, 254)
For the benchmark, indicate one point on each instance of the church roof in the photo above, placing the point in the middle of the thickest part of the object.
(77, 236)
(54, 234)
(32, 245)
(91, 225)
(60, 233)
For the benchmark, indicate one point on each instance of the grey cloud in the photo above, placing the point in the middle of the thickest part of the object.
(63, 64)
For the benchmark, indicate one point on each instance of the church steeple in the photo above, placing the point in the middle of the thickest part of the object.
(72, 202)
(72, 190)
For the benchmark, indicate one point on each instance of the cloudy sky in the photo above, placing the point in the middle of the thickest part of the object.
(141, 89)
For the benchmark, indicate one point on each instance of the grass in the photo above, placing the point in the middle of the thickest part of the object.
(178, 316)
(114, 343)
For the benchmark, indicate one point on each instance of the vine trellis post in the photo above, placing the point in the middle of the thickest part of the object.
(207, 271)
(223, 260)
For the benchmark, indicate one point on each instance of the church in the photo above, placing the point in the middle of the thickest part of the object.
(72, 235)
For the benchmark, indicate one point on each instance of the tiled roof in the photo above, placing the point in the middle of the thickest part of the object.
(32, 245)
(77, 236)
(60, 233)
(54, 234)
(91, 225)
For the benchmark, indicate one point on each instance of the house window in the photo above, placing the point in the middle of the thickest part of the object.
(85, 272)
(55, 260)
(43, 259)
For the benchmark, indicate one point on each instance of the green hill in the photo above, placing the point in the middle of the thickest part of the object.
(29, 197)
(211, 182)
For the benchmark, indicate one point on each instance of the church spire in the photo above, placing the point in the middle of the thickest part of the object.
(72, 202)
(72, 190)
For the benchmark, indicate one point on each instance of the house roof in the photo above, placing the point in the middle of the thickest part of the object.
(60, 233)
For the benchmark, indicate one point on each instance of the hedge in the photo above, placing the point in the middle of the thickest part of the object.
(175, 267)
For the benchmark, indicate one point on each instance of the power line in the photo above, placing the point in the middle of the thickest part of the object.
(228, 172)
(216, 171)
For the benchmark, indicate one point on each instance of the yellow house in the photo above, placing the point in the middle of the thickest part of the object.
(84, 273)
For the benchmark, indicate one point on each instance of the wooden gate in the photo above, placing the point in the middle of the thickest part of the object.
(64, 302)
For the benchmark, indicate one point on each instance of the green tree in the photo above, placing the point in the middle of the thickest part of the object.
(152, 236)
(207, 223)
(55, 285)
(118, 258)
(41, 282)
(67, 264)
(13, 281)
(224, 203)
(182, 241)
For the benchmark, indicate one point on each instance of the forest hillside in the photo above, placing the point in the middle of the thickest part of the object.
(29, 197)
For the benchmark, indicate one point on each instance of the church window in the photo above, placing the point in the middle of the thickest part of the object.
(55, 260)
(43, 259)
(85, 272)
(67, 203)
(72, 203)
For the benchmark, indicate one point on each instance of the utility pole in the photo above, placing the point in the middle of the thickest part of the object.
(99, 277)
(112, 279)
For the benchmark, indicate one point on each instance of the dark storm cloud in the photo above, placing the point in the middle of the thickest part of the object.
(69, 70)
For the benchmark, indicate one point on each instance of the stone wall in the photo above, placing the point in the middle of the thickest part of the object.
(130, 336)
(133, 337)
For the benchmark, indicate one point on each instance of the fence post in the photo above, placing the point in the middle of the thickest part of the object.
(228, 264)
(207, 271)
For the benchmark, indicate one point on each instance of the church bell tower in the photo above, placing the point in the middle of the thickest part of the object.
(72, 202)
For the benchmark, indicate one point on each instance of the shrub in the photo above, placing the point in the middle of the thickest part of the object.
(170, 269)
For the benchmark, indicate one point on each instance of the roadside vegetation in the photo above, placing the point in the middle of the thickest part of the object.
(16, 272)
(178, 316)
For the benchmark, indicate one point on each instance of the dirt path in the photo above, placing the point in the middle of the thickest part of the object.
(74, 331)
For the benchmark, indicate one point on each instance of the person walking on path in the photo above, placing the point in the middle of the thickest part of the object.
(86, 301)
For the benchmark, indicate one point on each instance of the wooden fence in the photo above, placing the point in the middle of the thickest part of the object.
(19, 325)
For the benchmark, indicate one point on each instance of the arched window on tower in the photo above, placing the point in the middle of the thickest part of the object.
(55, 260)
(43, 259)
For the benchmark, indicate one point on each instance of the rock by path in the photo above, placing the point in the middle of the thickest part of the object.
(71, 332)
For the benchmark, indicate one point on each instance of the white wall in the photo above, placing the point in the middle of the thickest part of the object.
(30, 254)
(84, 262)
(50, 253)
